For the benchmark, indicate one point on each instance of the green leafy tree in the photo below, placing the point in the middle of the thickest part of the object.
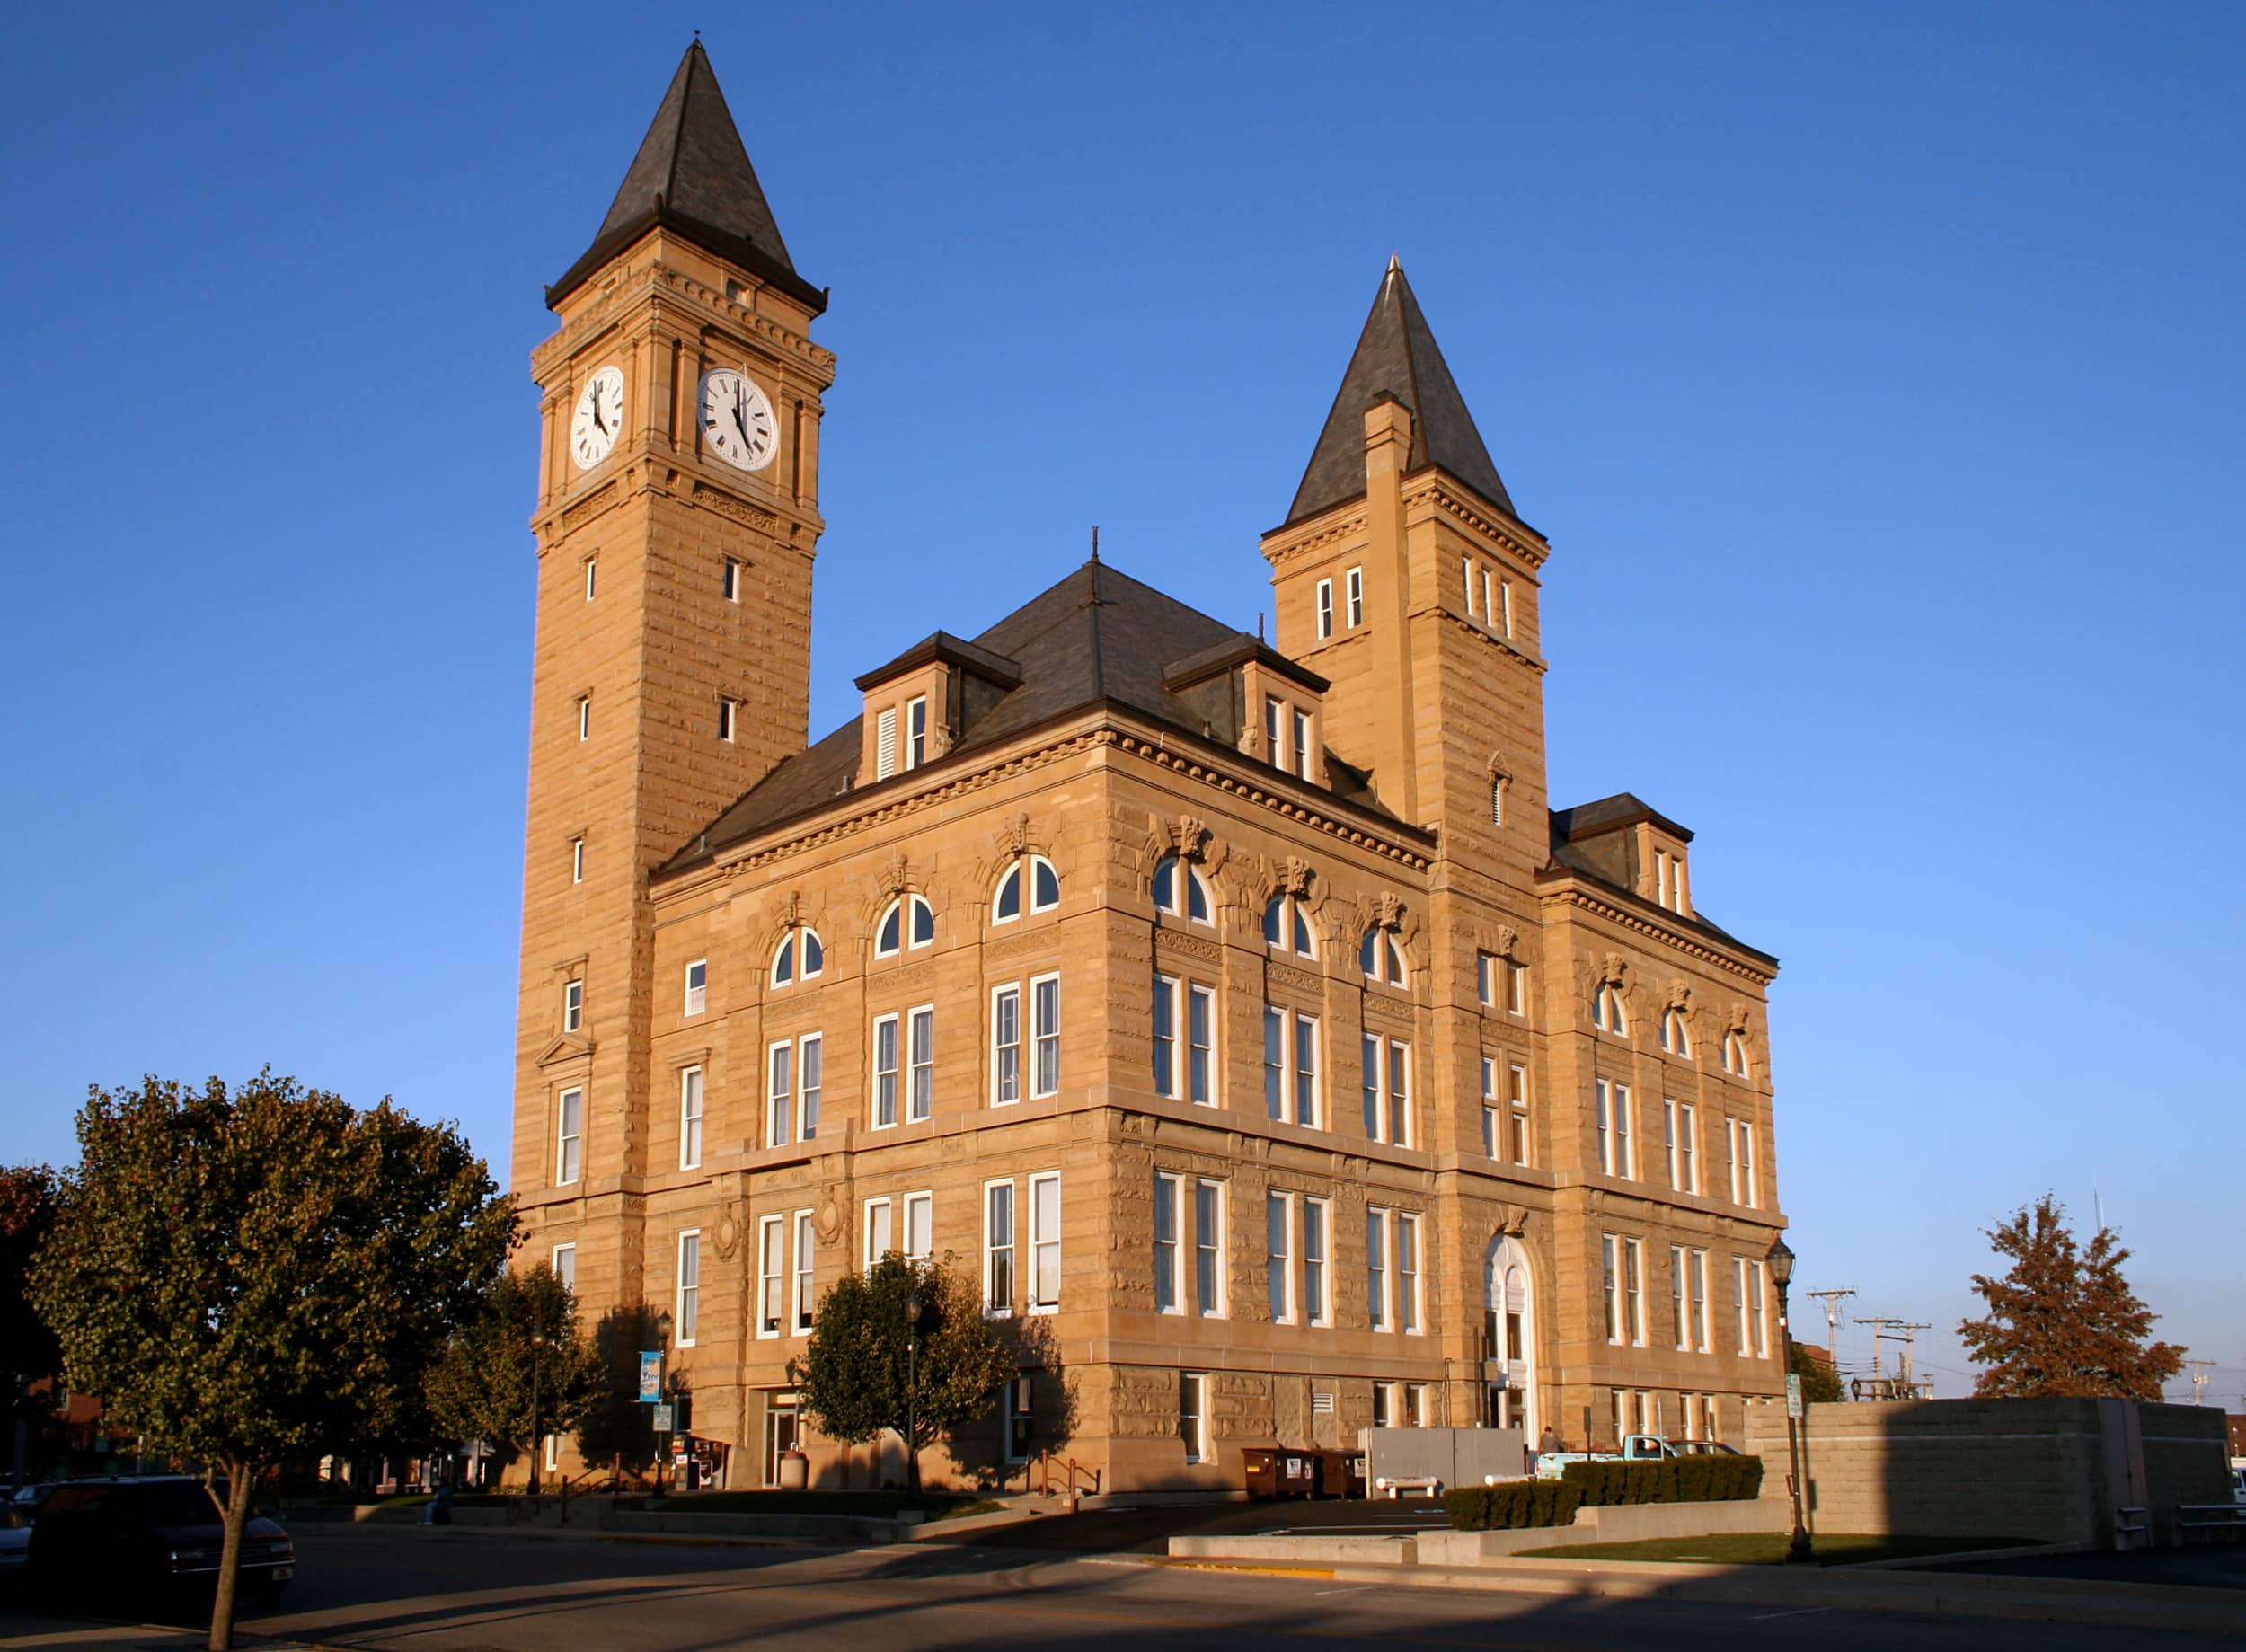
(241, 1276)
(853, 1375)
(518, 1368)
(2062, 1320)
(28, 1195)
(1820, 1383)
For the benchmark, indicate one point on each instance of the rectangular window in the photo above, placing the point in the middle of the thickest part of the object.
(690, 1119)
(1466, 577)
(732, 586)
(726, 708)
(1603, 1110)
(1369, 1049)
(805, 1262)
(1166, 1261)
(1744, 1301)
(885, 743)
(697, 986)
(920, 1093)
(1621, 1398)
(1506, 596)
(915, 731)
(920, 1226)
(1274, 1062)
(1306, 1070)
(1687, 1145)
(569, 1137)
(780, 1096)
(1749, 1193)
(1200, 1045)
(1610, 1262)
(1489, 608)
(885, 1072)
(1209, 1249)
(1278, 1271)
(1387, 1084)
(1408, 1274)
(1761, 1310)
(1045, 1244)
(998, 1247)
(1314, 1260)
(1383, 1407)
(573, 1006)
(1325, 609)
(1669, 1148)
(1492, 1130)
(1517, 1104)
(881, 1233)
(591, 563)
(1192, 1422)
(1272, 731)
(1165, 1036)
(1516, 988)
(1019, 1420)
(1045, 1002)
(1700, 1300)
(1357, 596)
(1634, 1289)
(565, 1266)
(689, 1285)
(1485, 968)
(772, 1266)
(1400, 1093)
(1302, 744)
(1376, 1267)
(584, 717)
(1625, 1149)
(1006, 1045)
(1680, 1310)
(809, 1050)
(577, 859)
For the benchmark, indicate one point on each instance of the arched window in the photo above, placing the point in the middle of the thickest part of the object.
(1675, 1036)
(1734, 1061)
(1285, 925)
(1509, 1333)
(1177, 881)
(1606, 1010)
(1380, 957)
(910, 922)
(1045, 888)
(800, 956)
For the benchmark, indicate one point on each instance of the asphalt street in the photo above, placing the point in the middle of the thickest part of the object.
(469, 1591)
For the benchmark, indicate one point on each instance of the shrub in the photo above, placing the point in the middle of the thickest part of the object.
(1515, 1503)
(1686, 1480)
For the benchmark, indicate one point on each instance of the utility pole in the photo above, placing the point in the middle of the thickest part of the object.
(2199, 1368)
(1832, 1301)
(1878, 1324)
(1910, 1330)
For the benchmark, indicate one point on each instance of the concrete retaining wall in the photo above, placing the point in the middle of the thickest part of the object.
(2055, 1469)
(811, 1528)
(1626, 1523)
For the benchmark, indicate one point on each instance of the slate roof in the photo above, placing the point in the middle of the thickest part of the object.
(1096, 635)
(1396, 354)
(1607, 815)
(692, 175)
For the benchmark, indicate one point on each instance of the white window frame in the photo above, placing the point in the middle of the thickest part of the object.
(1355, 580)
(1700, 1302)
(779, 1093)
(1634, 1289)
(1608, 1013)
(687, 1283)
(1376, 1268)
(690, 1111)
(1298, 1089)
(915, 731)
(1045, 1272)
(1021, 1419)
(565, 1271)
(729, 585)
(591, 563)
(1045, 1035)
(1521, 1144)
(573, 1005)
(1688, 1145)
(698, 997)
(1516, 988)
(904, 913)
(577, 859)
(569, 1158)
(1005, 1074)
(1466, 577)
(1278, 1266)
(1488, 607)
(729, 712)
(1489, 1137)
(1169, 1259)
(1485, 974)
(880, 1232)
(1193, 1419)
(1744, 1158)
(1189, 889)
(1208, 1242)
(584, 718)
(771, 1272)
(887, 1095)
(1611, 1278)
(918, 1210)
(1325, 609)
(1317, 1304)
(885, 742)
(1304, 745)
(804, 1292)
(994, 1308)
(1505, 592)
(1023, 875)
(1677, 1038)
(1409, 1269)
(1742, 1313)
(1680, 1298)
(920, 1064)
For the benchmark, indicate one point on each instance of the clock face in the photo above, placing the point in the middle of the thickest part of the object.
(599, 418)
(736, 420)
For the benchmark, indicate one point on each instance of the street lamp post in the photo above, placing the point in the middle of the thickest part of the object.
(536, 1343)
(912, 1391)
(1782, 1273)
(663, 1342)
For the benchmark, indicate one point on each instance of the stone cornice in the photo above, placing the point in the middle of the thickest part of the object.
(1572, 892)
(658, 289)
(1427, 489)
(1320, 543)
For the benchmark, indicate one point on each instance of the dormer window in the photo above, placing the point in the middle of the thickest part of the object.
(910, 922)
(1607, 1014)
(1675, 1036)
(1045, 888)
(1181, 891)
(1668, 881)
(1285, 926)
(1380, 957)
(800, 958)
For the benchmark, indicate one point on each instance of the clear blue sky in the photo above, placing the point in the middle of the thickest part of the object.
(1877, 372)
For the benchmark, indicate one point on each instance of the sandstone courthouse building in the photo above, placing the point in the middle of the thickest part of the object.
(1240, 1014)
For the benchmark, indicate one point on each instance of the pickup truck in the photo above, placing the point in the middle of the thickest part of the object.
(1636, 1448)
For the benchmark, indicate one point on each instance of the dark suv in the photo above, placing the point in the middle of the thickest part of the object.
(94, 1537)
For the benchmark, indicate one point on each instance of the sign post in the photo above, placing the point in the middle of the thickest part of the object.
(651, 1376)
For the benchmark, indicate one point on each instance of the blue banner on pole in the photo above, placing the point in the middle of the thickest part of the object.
(650, 1378)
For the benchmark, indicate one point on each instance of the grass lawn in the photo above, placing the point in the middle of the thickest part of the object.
(876, 1505)
(1769, 1548)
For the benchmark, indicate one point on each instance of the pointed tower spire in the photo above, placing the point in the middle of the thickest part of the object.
(1396, 356)
(693, 176)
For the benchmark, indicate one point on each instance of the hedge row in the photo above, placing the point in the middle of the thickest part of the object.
(1683, 1480)
(1515, 1503)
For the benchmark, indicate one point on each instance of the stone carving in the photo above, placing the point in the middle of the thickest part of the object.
(1735, 1018)
(1187, 836)
(1512, 1220)
(1294, 876)
(790, 911)
(1509, 938)
(1016, 841)
(828, 1221)
(1387, 910)
(588, 508)
(896, 874)
(741, 510)
(728, 1237)
(1680, 993)
(1612, 969)
(1192, 946)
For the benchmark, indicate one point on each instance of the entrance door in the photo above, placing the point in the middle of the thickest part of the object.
(780, 1434)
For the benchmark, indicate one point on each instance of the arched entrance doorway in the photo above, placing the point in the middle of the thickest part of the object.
(1509, 1323)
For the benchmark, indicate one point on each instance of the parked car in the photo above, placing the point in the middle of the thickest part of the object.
(94, 1537)
(16, 1540)
(2238, 1486)
(1701, 1448)
(1637, 1448)
(28, 1498)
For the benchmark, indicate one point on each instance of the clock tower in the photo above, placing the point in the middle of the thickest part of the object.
(677, 522)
